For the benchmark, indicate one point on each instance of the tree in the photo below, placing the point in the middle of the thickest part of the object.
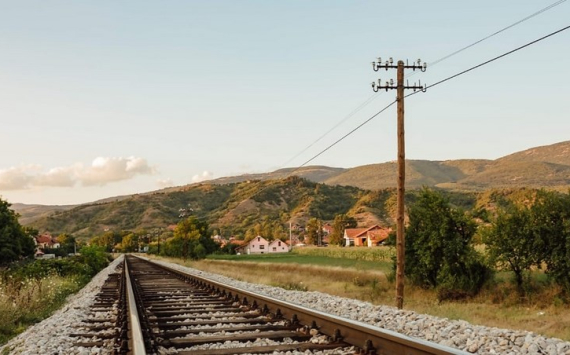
(551, 218)
(313, 231)
(511, 242)
(192, 236)
(14, 242)
(67, 243)
(130, 243)
(439, 253)
(340, 223)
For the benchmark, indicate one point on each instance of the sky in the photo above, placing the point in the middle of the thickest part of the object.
(106, 98)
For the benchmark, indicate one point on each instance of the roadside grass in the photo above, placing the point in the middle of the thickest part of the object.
(25, 302)
(498, 305)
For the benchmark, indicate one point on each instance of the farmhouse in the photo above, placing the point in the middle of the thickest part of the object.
(46, 241)
(260, 245)
(369, 237)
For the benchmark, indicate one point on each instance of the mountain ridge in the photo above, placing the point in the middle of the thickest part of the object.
(539, 167)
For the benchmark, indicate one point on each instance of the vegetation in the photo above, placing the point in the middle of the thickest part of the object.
(439, 252)
(340, 223)
(32, 291)
(15, 243)
(378, 254)
(191, 240)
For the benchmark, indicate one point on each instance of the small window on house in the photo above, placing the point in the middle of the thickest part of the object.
(274, 249)
(279, 244)
(258, 239)
(262, 247)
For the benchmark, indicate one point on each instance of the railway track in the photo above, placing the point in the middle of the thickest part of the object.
(166, 311)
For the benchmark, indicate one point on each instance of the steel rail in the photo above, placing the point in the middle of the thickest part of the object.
(373, 340)
(136, 340)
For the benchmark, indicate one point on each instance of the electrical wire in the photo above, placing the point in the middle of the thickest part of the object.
(374, 96)
(346, 135)
(352, 113)
(431, 86)
(438, 83)
(431, 64)
(493, 59)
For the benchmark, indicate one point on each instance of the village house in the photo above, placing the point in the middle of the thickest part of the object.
(278, 246)
(260, 245)
(327, 229)
(371, 236)
(46, 241)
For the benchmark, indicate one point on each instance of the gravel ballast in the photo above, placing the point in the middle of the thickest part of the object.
(51, 336)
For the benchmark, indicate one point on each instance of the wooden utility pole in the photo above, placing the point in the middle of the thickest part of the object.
(400, 239)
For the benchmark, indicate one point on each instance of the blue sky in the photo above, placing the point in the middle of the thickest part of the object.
(106, 98)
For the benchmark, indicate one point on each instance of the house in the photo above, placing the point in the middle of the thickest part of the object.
(370, 236)
(278, 246)
(327, 229)
(46, 240)
(257, 245)
(260, 245)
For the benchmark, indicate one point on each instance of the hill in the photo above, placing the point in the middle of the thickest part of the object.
(233, 208)
(238, 203)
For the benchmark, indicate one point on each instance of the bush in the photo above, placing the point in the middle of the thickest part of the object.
(439, 253)
(94, 258)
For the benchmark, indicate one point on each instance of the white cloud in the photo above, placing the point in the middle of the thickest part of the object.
(165, 183)
(105, 170)
(58, 177)
(206, 175)
(16, 178)
(102, 171)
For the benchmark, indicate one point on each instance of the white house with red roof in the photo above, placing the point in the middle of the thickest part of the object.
(46, 240)
(370, 236)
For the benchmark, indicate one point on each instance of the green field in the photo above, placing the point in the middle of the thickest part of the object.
(293, 258)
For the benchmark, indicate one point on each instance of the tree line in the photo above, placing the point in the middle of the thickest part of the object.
(532, 232)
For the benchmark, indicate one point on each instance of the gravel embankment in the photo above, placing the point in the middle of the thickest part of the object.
(51, 336)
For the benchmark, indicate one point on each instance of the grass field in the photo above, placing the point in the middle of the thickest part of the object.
(497, 305)
(302, 259)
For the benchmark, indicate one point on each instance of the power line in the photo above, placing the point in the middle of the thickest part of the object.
(431, 86)
(374, 96)
(352, 113)
(438, 83)
(431, 64)
(346, 135)
(493, 59)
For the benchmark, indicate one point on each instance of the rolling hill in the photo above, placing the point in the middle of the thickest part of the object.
(365, 192)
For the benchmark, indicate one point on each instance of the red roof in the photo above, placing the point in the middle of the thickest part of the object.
(354, 232)
(44, 238)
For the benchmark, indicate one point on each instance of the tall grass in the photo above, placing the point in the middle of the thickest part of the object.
(27, 301)
(381, 253)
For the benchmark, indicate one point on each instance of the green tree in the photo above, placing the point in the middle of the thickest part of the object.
(439, 253)
(189, 234)
(14, 242)
(313, 231)
(512, 241)
(130, 243)
(340, 223)
(67, 243)
(551, 218)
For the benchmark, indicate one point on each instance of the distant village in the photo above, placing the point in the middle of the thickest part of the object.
(353, 237)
